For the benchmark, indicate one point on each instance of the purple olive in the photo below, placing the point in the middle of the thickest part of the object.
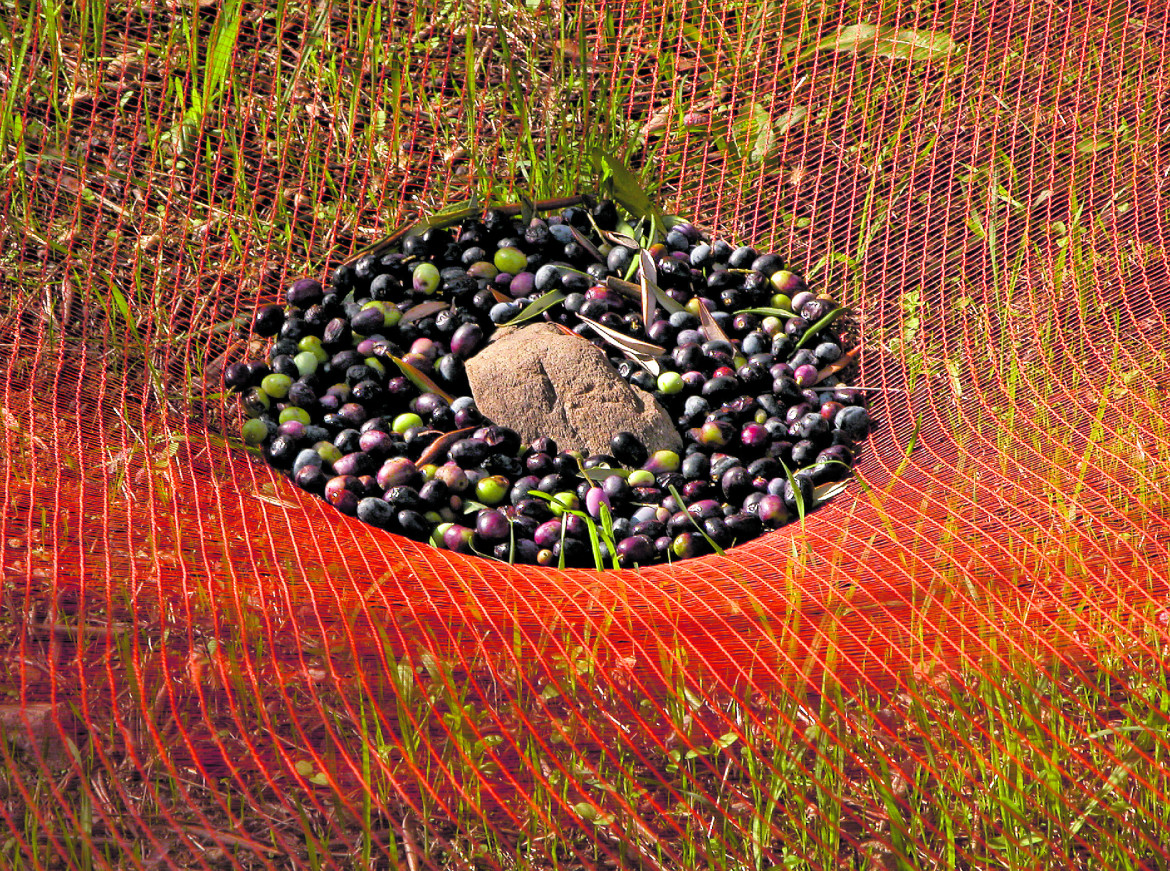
(705, 508)
(492, 525)
(805, 376)
(357, 463)
(635, 550)
(305, 292)
(454, 476)
(576, 527)
(754, 437)
(311, 478)
(772, 511)
(522, 285)
(398, 470)
(594, 499)
(458, 538)
(342, 493)
(812, 426)
(466, 340)
(736, 483)
(547, 534)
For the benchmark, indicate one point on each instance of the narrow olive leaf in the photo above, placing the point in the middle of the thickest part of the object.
(500, 297)
(537, 307)
(825, 492)
(607, 530)
(583, 240)
(842, 362)
(649, 275)
(420, 380)
(565, 330)
(694, 520)
(640, 352)
(598, 474)
(767, 311)
(527, 209)
(620, 239)
(440, 445)
(911, 45)
(633, 291)
(818, 326)
(667, 302)
(626, 188)
(423, 310)
(711, 330)
(797, 495)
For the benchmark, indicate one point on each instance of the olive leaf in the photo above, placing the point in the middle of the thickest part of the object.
(842, 362)
(583, 240)
(624, 184)
(537, 307)
(527, 209)
(889, 42)
(499, 296)
(767, 311)
(825, 492)
(710, 329)
(634, 292)
(423, 309)
(598, 474)
(640, 352)
(620, 239)
(649, 277)
(420, 380)
(440, 445)
(694, 520)
(818, 326)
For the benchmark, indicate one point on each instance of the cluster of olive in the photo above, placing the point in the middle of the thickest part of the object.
(363, 397)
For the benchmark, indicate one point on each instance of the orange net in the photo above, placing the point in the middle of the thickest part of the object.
(956, 663)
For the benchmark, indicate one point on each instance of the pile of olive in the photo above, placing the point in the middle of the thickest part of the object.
(363, 400)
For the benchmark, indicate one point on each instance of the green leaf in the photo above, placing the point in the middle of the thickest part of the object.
(767, 311)
(626, 188)
(219, 56)
(585, 811)
(818, 326)
(885, 41)
(695, 522)
(607, 531)
(790, 119)
(598, 474)
(753, 131)
(537, 307)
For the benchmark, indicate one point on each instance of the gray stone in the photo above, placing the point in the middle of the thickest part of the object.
(541, 381)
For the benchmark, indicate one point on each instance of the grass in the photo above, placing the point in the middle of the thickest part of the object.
(167, 169)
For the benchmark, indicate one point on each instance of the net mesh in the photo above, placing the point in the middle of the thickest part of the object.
(957, 663)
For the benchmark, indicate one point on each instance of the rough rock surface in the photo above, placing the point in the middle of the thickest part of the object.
(541, 382)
